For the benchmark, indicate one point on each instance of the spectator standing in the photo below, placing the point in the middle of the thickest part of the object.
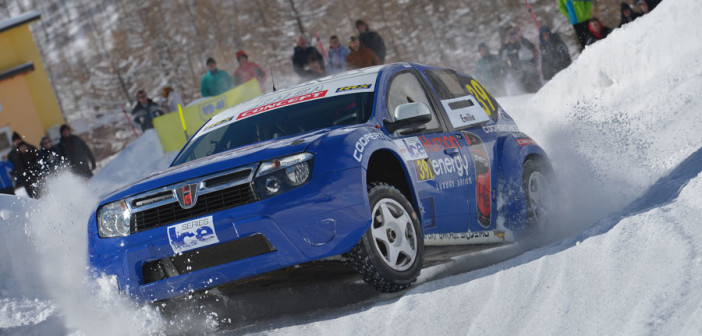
(627, 15)
(248, 70)
(337, 56)
(644, 6)
(578, 13)
(6, 185)
(371, 40)
(360, 56)
(145, 111)
(77, 153)
(520, 55)
(316, 67)
(597, 31)
(25, 172)
(215, 81)
(48, 162)
(301, 57)
(23, 157)
(171, 99)
(554, 53)
(491, 71)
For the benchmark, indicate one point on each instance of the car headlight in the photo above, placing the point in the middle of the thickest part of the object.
(113, 220)
(282, 174)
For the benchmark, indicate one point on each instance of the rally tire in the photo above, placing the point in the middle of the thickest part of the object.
(389, 257)
(538, 192)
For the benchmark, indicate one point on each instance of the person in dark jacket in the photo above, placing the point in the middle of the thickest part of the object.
(520, 55)
(360, 56)
(23, 157)
(77, 153)
(627, 15)
(145, 111)
(25, 168)
(491, 71)
(48, 162)
(554, 53)
(597, 31)
(301, 56)
(371, 40)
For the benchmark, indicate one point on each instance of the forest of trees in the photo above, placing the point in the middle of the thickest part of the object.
(100, 52)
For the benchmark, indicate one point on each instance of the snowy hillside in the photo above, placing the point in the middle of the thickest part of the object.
(622, 127)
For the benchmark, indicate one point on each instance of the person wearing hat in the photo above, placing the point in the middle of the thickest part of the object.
(371, 39)
(77, 153)
(247, 70)
(554, 53)
(360, 56)
(627, 15)
(22, 158)
(491, 71)
(145, 110)
(597, 31)
(215, 81)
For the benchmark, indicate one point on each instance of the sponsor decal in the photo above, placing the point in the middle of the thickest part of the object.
(187, 195)
(363, 141)
(464, 111)
(440, 143)
(411, 149)
(479, 237)
(354, 87)
(525, 141)
(483, 186)
(454, 183)
(281, 103)
(221, 122)
(192, 234)
(424, 169)
(499, 234)
(428, 211)
(500, 128)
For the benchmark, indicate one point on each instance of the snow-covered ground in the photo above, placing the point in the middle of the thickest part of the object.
(623, 128)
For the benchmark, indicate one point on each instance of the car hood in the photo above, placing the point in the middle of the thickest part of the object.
(219, 162)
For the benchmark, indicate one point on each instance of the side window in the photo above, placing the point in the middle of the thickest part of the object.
(406, 88)
(450, 86)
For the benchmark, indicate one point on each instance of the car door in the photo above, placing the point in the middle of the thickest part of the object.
(468, 107)
(434, 155)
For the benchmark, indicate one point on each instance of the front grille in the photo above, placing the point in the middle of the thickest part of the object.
(206, 204)
(210, 256)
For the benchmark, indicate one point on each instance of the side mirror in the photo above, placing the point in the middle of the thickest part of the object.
(409, 115)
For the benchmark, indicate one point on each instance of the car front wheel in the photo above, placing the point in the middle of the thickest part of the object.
(538, 192)
(390, 254)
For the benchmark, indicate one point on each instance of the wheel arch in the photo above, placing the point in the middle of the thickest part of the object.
(386, 166)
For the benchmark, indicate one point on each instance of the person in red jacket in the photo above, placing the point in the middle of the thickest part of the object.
(247, 70)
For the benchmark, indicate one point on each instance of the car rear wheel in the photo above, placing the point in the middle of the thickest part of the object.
(389, 256)
(538, 192)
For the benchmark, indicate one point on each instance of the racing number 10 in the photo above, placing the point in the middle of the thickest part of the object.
(478, 91)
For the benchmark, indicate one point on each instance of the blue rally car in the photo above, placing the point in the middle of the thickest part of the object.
(369, 165)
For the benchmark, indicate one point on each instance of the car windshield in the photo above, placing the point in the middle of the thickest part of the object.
(348, 109)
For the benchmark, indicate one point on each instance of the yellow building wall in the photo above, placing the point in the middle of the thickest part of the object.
(18, 47)
(18, 110)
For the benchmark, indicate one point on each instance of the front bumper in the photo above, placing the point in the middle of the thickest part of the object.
(325, 217)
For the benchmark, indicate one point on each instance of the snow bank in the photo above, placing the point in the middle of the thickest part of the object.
(44, 286)
(142, 157)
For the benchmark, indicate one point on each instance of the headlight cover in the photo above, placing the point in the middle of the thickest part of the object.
(113, 220)
(282, 174)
